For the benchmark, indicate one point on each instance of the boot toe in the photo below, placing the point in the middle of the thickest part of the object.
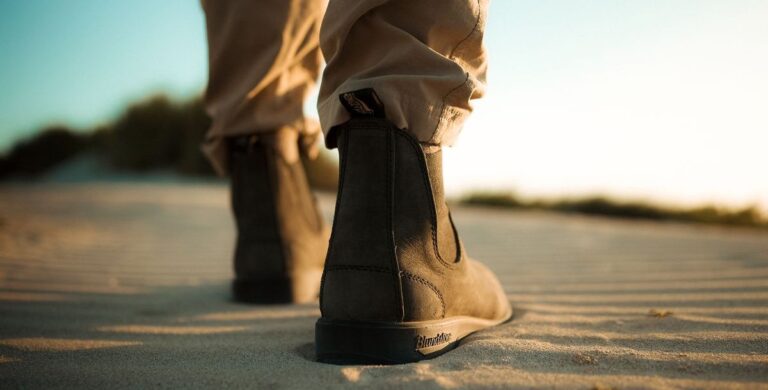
(495, 303)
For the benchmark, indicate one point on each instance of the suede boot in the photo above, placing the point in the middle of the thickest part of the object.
(281, 237)
(397, 285)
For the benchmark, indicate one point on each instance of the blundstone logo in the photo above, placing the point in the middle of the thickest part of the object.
(426, 342)
(357, 104)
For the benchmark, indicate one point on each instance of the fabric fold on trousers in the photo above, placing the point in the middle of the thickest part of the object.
(425, 60)
(264, 60)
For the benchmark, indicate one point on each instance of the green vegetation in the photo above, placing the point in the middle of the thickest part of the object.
(35, 156)
(602, 206)
(160, 134)
(151, 135)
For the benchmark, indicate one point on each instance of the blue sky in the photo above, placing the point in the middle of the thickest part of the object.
(80, 61)
(641, 99)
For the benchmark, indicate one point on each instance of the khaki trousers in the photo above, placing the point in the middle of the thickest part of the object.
(424, 58)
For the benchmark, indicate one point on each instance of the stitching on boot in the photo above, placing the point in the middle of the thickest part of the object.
(352, 267)
(430, 286)
(397, 282)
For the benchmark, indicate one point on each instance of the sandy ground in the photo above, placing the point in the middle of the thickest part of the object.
(125, 285)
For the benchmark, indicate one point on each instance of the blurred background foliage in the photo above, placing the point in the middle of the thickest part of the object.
(161, 135)
(156, 134)
(749, 216)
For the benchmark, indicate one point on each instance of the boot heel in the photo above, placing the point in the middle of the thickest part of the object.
(267, 291)
(300, 288)
(352, 342)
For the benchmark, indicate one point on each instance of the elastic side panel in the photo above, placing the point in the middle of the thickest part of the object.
(414, 232)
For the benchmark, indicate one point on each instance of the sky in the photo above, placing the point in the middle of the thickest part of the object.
(642, 99)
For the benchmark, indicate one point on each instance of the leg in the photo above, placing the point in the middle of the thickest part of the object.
(424, 59)
(398, 285)
(264, 59)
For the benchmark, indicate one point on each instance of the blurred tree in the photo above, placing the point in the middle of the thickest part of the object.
(34, 156)
(196, 124)
(156, 133)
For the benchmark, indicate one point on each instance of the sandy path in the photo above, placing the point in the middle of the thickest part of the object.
(125, 285)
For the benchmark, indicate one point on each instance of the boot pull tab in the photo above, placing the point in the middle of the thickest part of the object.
(363, 103)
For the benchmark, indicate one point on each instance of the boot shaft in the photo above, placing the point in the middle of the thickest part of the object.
(272, 204)
(391, 225)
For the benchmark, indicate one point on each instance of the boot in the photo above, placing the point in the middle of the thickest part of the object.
(397, 285)
(281, 237)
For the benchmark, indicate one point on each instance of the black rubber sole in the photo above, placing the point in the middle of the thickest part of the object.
(347, 342)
